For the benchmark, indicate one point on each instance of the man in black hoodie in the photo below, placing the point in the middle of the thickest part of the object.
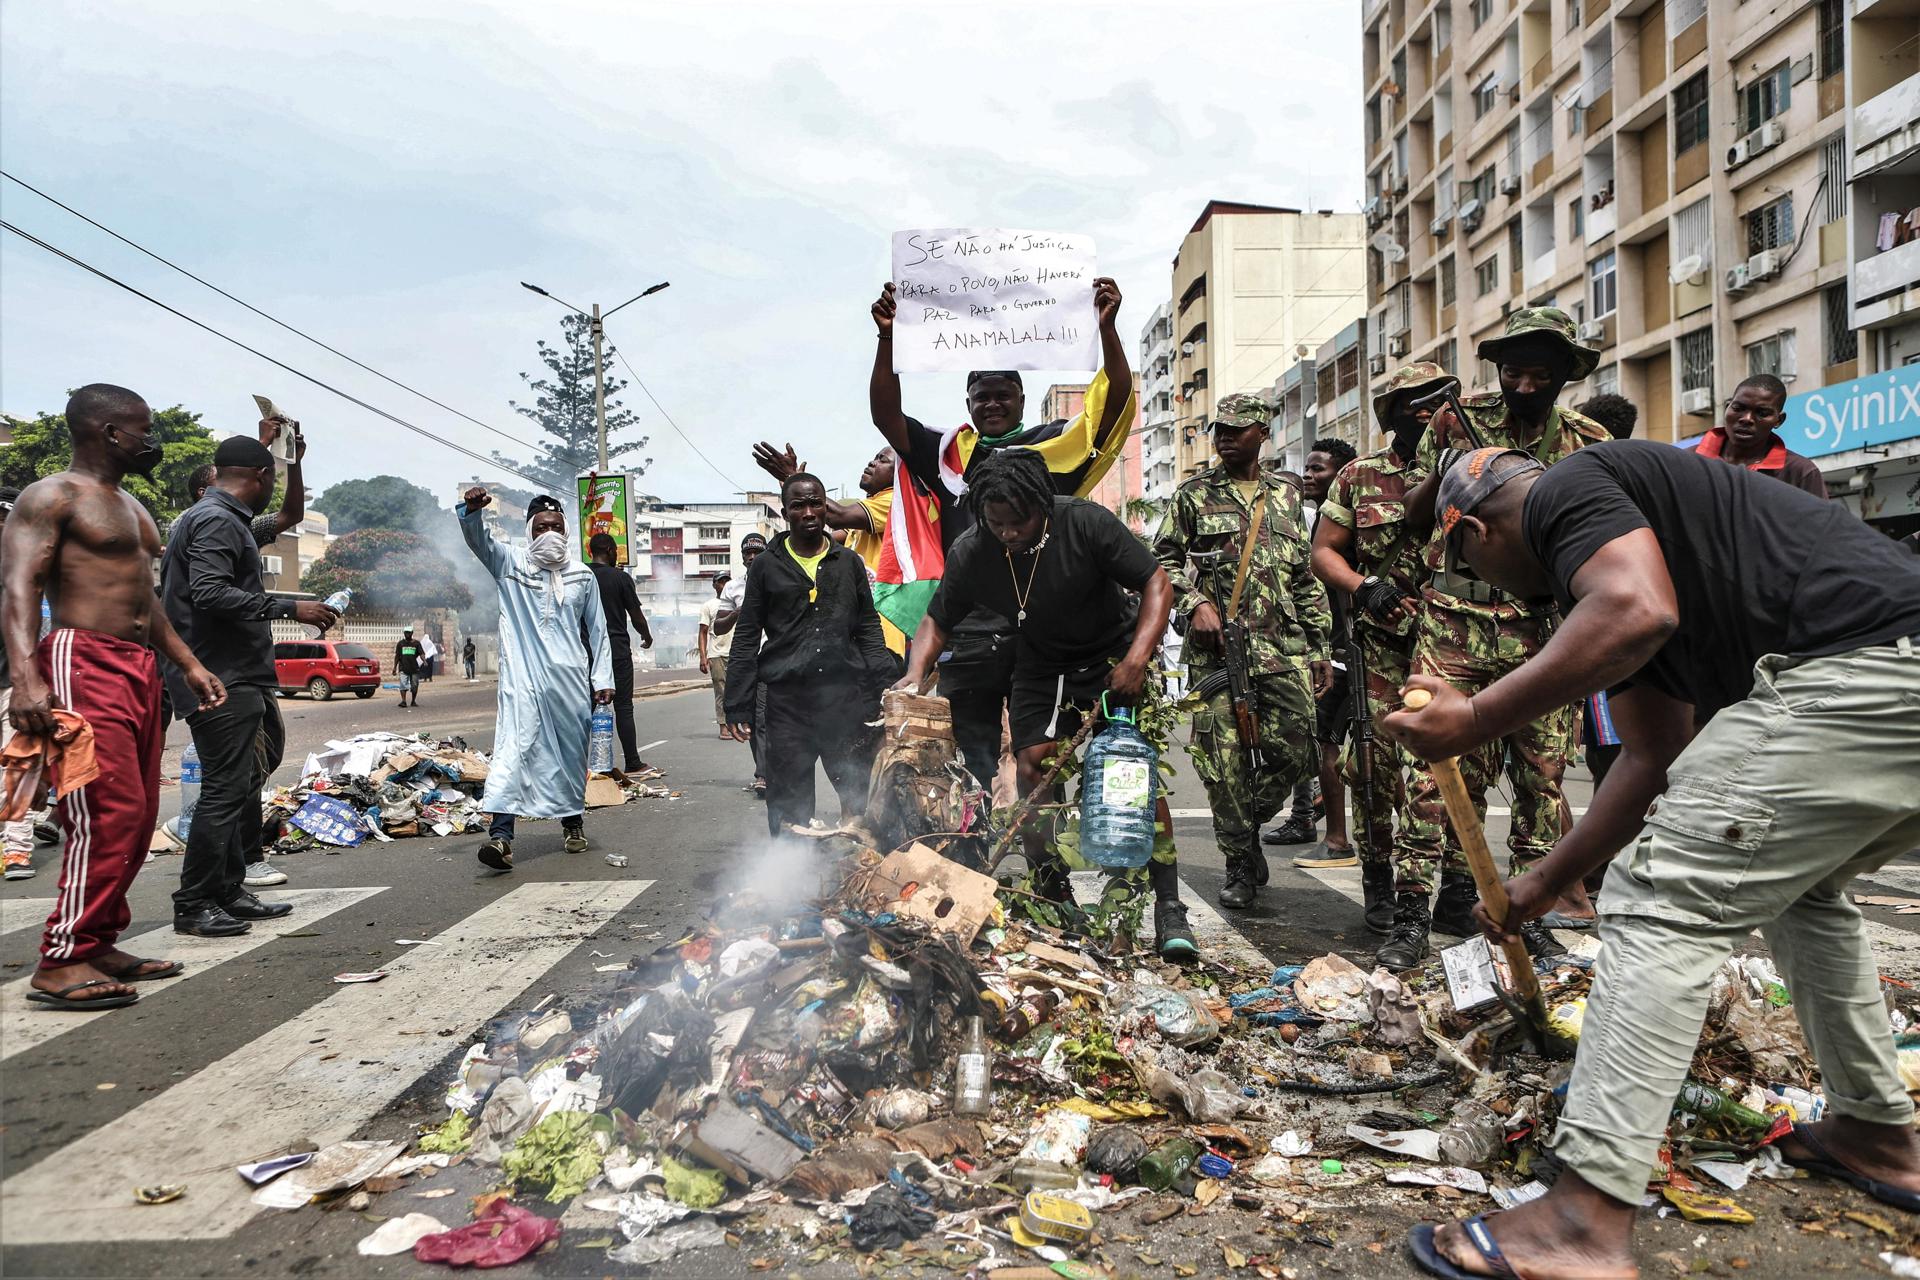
(823, 660)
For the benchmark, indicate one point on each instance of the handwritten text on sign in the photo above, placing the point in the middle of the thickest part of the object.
(974, 299)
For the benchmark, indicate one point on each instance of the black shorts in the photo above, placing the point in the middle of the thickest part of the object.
(1332, 714)
(1047, 706)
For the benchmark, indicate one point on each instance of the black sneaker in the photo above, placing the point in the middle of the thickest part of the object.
(1295, 830)
(574, 837)
(497, 854)
(1172, 937)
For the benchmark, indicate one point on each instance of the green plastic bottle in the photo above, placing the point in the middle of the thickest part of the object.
(1164, 1165)
(1711, 1104)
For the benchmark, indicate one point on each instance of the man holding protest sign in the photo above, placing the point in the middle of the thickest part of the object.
(976, 668)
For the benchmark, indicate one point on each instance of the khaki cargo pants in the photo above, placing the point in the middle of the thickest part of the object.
(1779, 802)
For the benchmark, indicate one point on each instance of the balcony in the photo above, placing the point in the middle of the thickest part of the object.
(1886, 127)
(1890, 272)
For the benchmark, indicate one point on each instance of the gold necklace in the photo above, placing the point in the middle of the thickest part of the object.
(1020, 597)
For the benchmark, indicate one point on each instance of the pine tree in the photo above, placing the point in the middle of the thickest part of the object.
(563, 406)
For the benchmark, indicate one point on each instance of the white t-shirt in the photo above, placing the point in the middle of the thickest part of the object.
(709, 612)
(734, 594)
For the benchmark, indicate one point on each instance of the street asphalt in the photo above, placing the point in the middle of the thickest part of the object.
(258, 1047)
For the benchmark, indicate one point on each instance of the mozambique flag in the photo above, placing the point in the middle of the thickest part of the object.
(914, 558)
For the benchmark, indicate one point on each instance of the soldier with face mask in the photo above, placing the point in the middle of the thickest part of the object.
(549, 681)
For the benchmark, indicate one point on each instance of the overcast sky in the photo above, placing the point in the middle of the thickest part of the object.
(383, 175)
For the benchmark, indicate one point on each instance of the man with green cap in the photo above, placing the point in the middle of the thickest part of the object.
(1470, 634)
(1233, 542)
(1365, 547)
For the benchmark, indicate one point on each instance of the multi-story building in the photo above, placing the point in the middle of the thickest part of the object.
(1251, 283)
(1324, 394)
(1154, 378)
(1295, 397)
(1673, 175)
(505, 516)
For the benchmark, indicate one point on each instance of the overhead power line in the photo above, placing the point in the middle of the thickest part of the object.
(483, 459)
(622, 357)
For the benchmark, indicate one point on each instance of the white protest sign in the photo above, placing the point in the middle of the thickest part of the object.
(987, 299)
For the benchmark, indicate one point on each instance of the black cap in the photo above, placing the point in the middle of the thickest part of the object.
(242, 451)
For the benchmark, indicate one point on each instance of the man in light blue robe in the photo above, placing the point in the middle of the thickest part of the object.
(549, 680)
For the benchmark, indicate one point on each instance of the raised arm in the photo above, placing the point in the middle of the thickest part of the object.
(473, 527)
(1113, 362)
(293, 503)
(883, 387)
(781, 465)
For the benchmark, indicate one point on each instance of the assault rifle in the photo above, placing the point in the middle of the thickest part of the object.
(1362, 714)
(1235, 676)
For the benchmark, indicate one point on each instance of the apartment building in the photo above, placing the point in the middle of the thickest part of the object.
(1252, 283)
(1675, 176)
(1154, 377)
(1324, 394)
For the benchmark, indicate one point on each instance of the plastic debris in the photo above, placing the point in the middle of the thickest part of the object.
(887, 1220)
(399, 1235)
(692, 1186)
(503, 1235)
(670, 1242)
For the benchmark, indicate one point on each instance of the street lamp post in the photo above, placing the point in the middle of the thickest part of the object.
(599, 370)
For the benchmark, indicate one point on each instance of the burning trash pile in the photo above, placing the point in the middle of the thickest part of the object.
(904, 1067)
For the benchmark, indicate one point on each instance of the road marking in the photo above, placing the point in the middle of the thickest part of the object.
(374, 1042)
(1216, 938)
(1493, 811)
(26, 913)
(25, 1025)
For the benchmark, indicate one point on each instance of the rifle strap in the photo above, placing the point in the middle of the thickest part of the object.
(1246, 555)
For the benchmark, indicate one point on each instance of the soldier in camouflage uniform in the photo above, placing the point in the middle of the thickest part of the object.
(1365, 548)
(1470, 635)
(1200, 543)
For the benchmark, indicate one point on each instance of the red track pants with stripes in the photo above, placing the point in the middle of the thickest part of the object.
(108, 823)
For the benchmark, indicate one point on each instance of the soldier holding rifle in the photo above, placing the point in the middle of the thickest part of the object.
(1257, 623)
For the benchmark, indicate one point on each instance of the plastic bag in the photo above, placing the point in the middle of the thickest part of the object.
(503, 1236)
(1180, 1016)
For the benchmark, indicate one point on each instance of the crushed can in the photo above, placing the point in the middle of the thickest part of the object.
(1055, 1219)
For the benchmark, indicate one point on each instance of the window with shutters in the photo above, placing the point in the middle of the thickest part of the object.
(1690, 114)
(1833, 178)
(1693, 233)
(1772, 355)
(1770, 226)
(1833, 38)
(1486, 94)
(1764, 99)
(1696, 360)
(1486, 276)
(1445, 272)
(1603, 279)
(714, 559)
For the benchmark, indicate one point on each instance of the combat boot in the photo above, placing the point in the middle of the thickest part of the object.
(1454, 912)
(1242, 876)
(1408, 945)
(1376, 884)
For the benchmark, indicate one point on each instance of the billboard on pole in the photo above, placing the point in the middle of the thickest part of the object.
(603, 509)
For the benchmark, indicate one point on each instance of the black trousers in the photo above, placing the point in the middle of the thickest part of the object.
(623, 707)
(240, 743)
(802, 723)
(976, 676)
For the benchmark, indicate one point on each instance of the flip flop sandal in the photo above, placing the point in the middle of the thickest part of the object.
(1427, 1254)
(1822, 1161)
(128, 974)
(1561, 920)
(62, 999)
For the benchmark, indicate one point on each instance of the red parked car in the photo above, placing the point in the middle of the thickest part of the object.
(322, 667)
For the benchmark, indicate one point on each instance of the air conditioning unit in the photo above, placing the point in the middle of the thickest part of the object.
(1510, 185)
(1697, 400)
(1440, 224)
(1738, 153)
(1376, 363)
(1471, 215)
(1766, 137)
(1737, 281)
(1593, 330)
(1397, 345)
(1764, 265)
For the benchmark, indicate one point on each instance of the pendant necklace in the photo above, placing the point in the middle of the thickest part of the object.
(1020, 595)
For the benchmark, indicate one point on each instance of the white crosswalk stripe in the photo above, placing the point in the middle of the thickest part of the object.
(24, 913)
(25, 1025)
(321, 1075)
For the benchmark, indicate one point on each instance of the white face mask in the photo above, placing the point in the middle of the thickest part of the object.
(549, 550)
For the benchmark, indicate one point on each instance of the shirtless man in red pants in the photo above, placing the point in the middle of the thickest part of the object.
(81, 541)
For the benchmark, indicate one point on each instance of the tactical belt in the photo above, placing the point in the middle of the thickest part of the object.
(1469, 589)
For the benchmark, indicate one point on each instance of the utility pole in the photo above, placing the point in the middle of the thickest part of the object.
(599, 359)
(599, 390)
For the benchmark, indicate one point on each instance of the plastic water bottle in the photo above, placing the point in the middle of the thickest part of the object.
(600, 744)
(1117, 792)
(189, 790)
(340, 599)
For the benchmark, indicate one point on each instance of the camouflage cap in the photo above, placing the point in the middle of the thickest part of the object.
(1544, 322)
(1242, 410)
(1417, 378)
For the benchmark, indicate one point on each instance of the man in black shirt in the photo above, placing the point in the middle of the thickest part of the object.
(211, 586)
(976, 671)
(1061, 569)
(621, 603)
(408, 654)
(1700, 595)
(821, 665)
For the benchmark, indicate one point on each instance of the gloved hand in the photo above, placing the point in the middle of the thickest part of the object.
(1380, 598)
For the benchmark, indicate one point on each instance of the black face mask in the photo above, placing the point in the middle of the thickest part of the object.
(1533, 406)
(1407, 430)
(144, 459)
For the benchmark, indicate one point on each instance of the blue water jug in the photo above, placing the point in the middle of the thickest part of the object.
(1117, 791)
(600, 745)
(189, 789)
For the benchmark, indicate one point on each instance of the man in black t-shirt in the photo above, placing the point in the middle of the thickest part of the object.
(408, 654)
(620, 601)
(976, 671)
(1060, 569)
(1702, 595)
